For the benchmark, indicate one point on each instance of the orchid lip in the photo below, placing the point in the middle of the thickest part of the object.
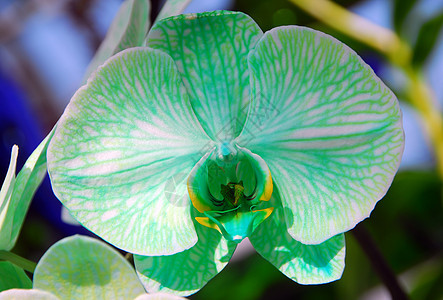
(230, 188)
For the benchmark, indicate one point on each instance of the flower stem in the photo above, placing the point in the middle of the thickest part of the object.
(383, 40)
(18, 260)
(379, 264)
(421, 97)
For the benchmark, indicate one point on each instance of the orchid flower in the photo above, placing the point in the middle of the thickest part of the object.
(216, 132)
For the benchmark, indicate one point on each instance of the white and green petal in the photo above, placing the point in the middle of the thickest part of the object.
(24, 294)
(186, 272)
(121, 143)
(17, 192)
(210, 50)
(159, 296)
(128, 30)
(305, 264)
(80, 267)
(328, 128)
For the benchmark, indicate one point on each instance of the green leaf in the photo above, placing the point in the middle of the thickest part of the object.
(128, 29)
(6, 214)
(17, 260)
(20, 294)
(186, 272)
(427, 281)
(328, 128)
(172, 8)
(426, 39)
(123, 142)
(210, 50)
(12, 277)
(400, 12)
(80, 267)
(305, 264)
(28, 180)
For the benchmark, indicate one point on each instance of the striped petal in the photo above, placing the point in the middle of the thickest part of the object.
(328, 128)
(210, 50)
(80, 267)
(124, 140)
(305, 264)
(186, 272)
(128, 29)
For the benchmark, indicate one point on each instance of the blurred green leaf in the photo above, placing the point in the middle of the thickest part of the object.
(17, 260)
(5, 201)
(400, 12)
(284, 16)
(427, 281)
(426, 39)
(172, 8)
(128, 29)
(412, 212)
(26, 183)
(12, 277)
(78, 266)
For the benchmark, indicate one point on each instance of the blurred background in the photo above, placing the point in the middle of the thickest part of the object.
(45, 48)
